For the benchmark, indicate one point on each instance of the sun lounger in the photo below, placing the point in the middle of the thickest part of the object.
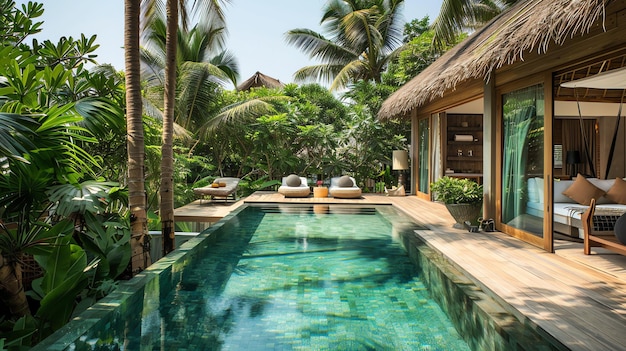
(229, 189)
(341, 188)
(301, 190)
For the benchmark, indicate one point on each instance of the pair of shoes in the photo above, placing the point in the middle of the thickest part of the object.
(487, 225)
(470, 227)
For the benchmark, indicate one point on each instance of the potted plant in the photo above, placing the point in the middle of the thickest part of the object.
(462, 197)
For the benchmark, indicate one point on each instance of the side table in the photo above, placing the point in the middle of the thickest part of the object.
(320, 191)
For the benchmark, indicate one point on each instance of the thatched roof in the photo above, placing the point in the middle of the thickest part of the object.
(527, 26)
(260, 80)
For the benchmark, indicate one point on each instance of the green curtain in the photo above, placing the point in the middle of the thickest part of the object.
(424, 132)
(522, 147)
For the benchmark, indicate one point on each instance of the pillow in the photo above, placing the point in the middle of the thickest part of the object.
(222, 184)
(345, 182)
(293, 180)
(582, 191)
(559, 186)
(539, 188)
(603, 184)
(215, 185)
(617, 193)
(532, 191)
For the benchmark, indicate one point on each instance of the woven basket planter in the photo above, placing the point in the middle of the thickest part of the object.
(465, 212)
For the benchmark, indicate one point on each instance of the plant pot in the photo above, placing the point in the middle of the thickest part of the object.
(465, 212)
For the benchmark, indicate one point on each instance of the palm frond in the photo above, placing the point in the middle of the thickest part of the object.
(211, 11)
(227, 63)
(246, 109)
(347, 73)
(100, 115)
(317, 46)
(16, 132)
(323, 72)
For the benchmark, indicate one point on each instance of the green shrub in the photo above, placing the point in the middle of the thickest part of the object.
(451, 190)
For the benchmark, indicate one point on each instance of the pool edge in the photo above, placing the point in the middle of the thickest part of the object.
(455, 290)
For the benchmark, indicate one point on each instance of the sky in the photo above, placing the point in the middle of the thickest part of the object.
(256, 29)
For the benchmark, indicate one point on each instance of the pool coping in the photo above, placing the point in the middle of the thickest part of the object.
(510, 333)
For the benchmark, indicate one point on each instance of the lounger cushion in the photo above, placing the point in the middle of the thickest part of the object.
(293, 180)
(617, 193)
(582, 191)
(345, 182)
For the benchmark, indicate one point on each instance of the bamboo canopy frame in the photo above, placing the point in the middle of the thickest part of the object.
(526, 26)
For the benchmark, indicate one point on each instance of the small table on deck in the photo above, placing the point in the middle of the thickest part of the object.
(320, 191)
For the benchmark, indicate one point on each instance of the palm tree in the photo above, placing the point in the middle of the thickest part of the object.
(167, 148)
(136, 191)
(364, 37)
(202, 66)
(213, 14)
(458, 16)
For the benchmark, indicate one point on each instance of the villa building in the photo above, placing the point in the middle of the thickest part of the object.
(523, 105)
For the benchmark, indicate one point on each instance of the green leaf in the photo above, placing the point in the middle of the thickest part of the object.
(66, 260)
(58, 304)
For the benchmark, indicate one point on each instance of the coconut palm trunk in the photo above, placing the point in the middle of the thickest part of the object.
(12, 292)
(135, 139)
(167, 153)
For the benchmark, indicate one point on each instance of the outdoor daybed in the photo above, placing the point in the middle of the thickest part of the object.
(294, 186)
(567, 211)
(221, 188)
(344, 188)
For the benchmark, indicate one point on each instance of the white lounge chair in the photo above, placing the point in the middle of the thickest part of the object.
(302, 190)
(340, 190)
(228, 190)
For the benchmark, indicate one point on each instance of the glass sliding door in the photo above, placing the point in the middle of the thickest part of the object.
(523, 159)
(423, 132)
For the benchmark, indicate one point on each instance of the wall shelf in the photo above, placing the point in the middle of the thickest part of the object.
(457, 151)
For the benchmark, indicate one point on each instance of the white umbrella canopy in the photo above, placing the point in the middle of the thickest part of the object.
(613, 79)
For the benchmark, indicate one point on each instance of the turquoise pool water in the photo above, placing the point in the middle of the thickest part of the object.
(276, 278)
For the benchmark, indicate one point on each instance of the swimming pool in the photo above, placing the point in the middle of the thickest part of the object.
(282, 277)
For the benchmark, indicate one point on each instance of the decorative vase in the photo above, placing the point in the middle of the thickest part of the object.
(465, 212)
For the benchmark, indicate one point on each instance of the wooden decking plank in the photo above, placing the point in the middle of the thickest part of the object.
(536, 293)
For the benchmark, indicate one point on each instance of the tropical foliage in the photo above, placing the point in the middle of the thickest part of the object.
(81, 149)
(450, 190)
(362, 38)
(51, 186)
(459, 16)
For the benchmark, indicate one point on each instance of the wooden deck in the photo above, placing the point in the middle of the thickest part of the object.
(578, 299)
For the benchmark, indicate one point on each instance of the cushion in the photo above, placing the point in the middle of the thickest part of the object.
(345, 182)
(293, 180)
(582, 191)
(539, 189)
(222, 184)
(617, 193)
(604, 184)
(215, 185)
(532, 190)
(559, 186)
